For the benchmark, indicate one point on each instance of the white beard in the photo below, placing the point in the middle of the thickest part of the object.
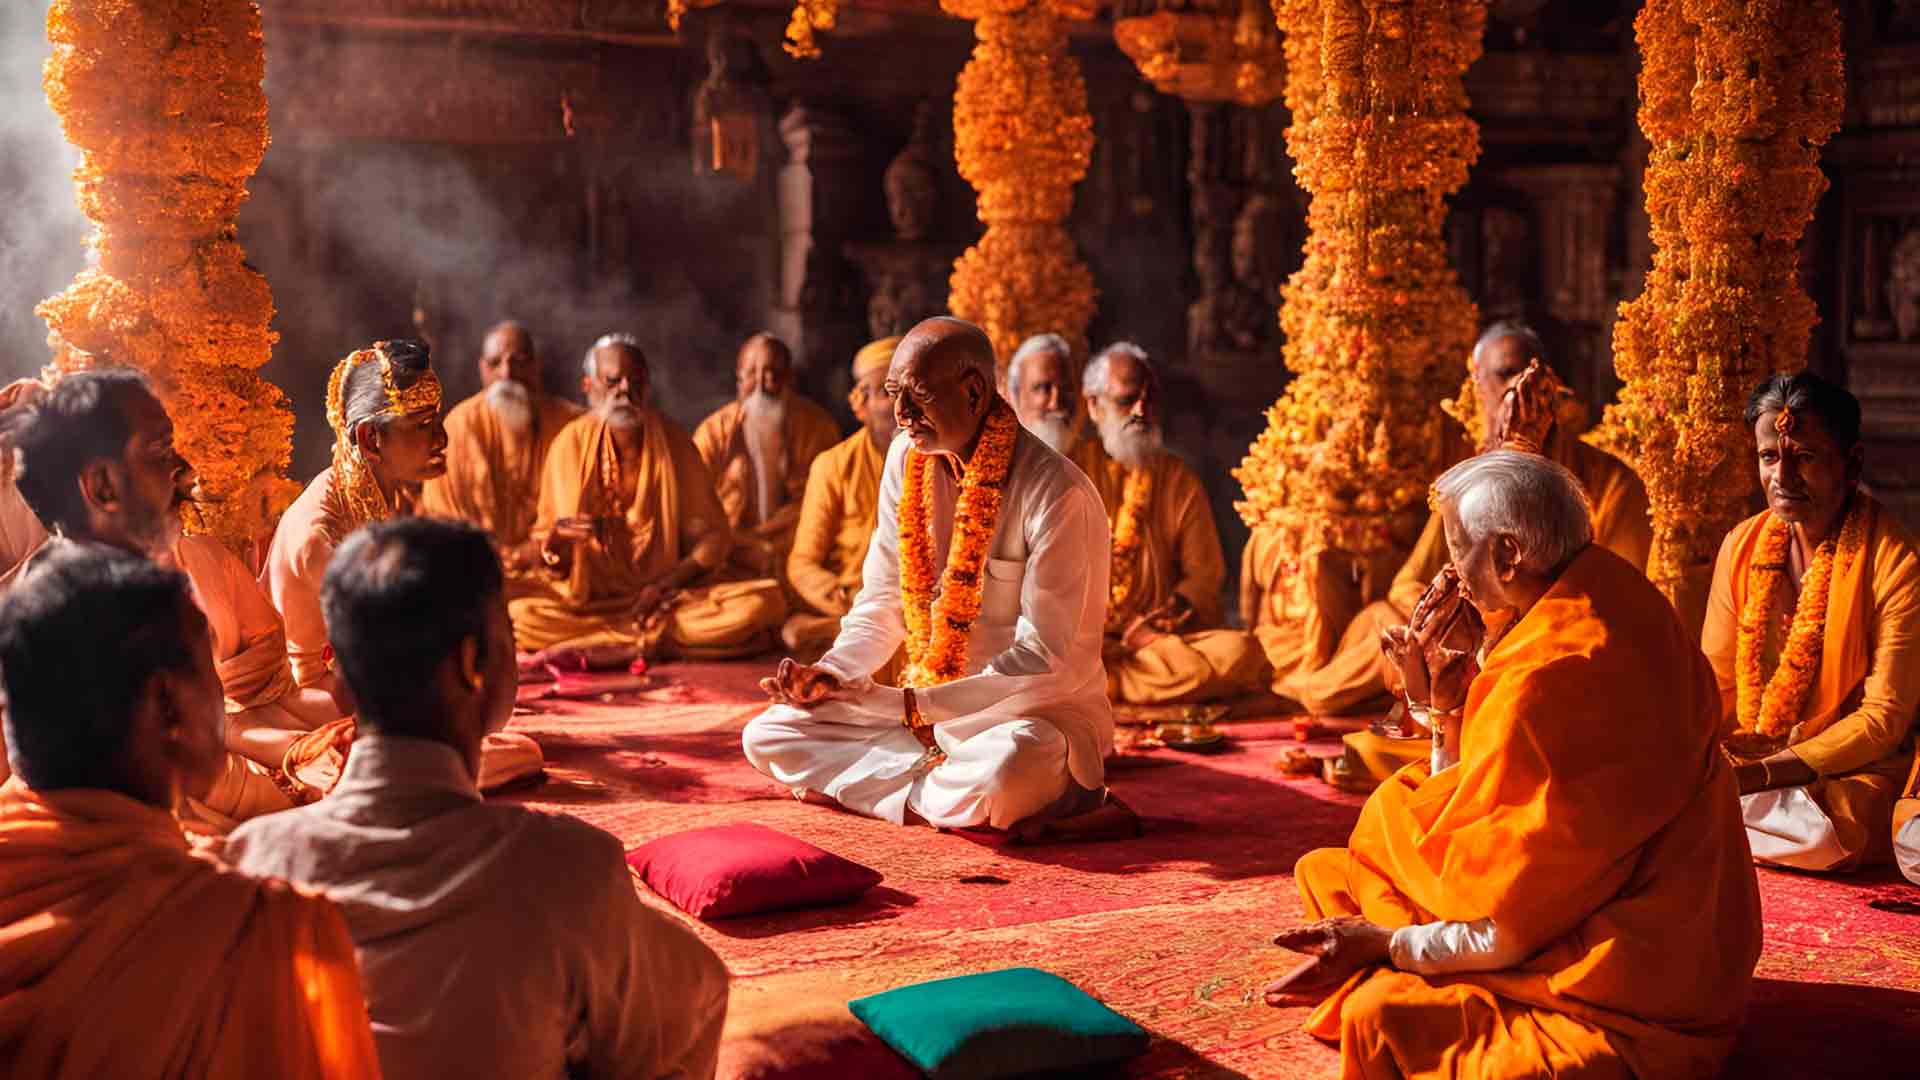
(512, 403)
(1131, 446)
(623, 416)
(763, 429)
(1056, 430)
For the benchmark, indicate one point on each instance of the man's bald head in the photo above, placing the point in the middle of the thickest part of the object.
(507, 352)
(942, 381)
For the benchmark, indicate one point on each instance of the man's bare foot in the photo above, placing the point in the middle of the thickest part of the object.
(1112, 820)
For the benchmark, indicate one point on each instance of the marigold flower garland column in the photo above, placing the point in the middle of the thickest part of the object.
(1023, 139)
(1736, 98)
(1376, 321)
(165, 102)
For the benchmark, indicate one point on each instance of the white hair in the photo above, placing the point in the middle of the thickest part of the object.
(1528, 497)
(618, 337)
(1094, 382)
(1513, 328)
(1038, 343)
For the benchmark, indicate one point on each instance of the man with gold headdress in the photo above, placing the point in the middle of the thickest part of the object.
(989, 566)
(632, 536)
(383, 403)
(837, 512)
(1517, 403)
(1163, 641)
(1813, 628)
(497, 444)
(758, 448)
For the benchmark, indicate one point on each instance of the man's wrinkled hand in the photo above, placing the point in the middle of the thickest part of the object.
(1527, 410)
(1172, 616)
(1140, 633)
(1335, 948)
(801, 685)
(1446, 631)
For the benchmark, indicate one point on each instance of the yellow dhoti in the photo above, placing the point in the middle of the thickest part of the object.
(1179, 669)
(729, 619)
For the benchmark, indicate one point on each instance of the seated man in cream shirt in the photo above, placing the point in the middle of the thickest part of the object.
(989, 563)
(494, 941)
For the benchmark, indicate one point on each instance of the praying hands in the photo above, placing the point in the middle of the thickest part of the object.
(1435, 652)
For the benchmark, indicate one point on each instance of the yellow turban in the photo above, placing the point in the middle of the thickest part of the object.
(875, 356)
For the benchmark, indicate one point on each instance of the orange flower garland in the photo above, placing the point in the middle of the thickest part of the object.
(164, 101)
(1376, 317)
(1023, 138)
(937, 629)
(1736, 98)
(1772, 709)
(1136, 495)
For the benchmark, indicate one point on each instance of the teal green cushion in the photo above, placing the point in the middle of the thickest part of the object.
(999, 1023)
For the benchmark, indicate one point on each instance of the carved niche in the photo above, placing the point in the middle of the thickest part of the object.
(907, 275)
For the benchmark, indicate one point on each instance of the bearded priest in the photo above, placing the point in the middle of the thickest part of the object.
(1813, 627)
(1166, 641)
(989, 563)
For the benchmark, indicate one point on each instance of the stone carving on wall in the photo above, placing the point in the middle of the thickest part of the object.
(1903, 285)
(907, 275)
(1247, 232)
(731, 108)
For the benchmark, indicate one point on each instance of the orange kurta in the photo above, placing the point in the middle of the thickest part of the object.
(493, 472)
(673, 515)
(1355, 677)
(809, 432)
(837, 513)
(1179, 554)
(1593, 819)
(121, 954)
(1856, 727)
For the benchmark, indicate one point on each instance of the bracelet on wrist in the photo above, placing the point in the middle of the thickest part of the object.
(912, 716)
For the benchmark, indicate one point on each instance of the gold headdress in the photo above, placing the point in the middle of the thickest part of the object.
(353, 481)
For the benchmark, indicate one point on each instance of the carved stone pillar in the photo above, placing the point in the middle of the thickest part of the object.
(818, 195)
(1574, 208)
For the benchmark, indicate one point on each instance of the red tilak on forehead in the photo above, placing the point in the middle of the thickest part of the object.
(1784, 422)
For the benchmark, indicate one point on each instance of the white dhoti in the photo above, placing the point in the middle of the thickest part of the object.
(999, 770)
(1786, 827)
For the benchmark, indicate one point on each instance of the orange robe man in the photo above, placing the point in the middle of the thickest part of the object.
(838, 510)
(1569, 893)
(633, 540)
(1163, 642)
(759, 448)
(497, 443)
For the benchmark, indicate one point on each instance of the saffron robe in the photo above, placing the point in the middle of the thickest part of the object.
(830, 540)
(1594, 820)
(1856, 727)
(493, 472)
(809, 431)
(1355, 678)
(673, 515)
(1179, 554)
(1027, 728)
(122, 954)
(296, 566)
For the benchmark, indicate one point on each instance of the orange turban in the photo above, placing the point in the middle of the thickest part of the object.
(876, 355)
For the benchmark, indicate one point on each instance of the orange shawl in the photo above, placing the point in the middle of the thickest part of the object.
(493, 475)
(121, 954)
(1592, 818)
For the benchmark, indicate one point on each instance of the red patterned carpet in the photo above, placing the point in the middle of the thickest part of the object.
(1171, 929)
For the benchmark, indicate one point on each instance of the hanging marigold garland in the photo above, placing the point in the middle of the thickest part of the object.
(1136, 495)
(1023, 138)
(939, 621)
(1771, 707)
(1736, 98)
(1376, 318)
(165, 102)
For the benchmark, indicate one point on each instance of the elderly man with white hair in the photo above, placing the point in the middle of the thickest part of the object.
(631, 535)
(1564, 887)
(1165, 644)
(497, 442)
(1040, 385)
(989, 565)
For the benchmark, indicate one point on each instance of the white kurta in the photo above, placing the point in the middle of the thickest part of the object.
(1027, 730)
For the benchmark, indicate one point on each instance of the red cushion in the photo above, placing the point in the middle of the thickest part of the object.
(745, 869)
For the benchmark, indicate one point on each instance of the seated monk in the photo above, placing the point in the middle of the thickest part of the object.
(121, 953)
(494, 940)
(383, 403)
(632, 536)
(497, 444)
(837, 512)
(1813, 627)
(1164, 644)
(1563, 889)
(989, 563)
(1529, 409)
(759, 448)
(98, 464)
